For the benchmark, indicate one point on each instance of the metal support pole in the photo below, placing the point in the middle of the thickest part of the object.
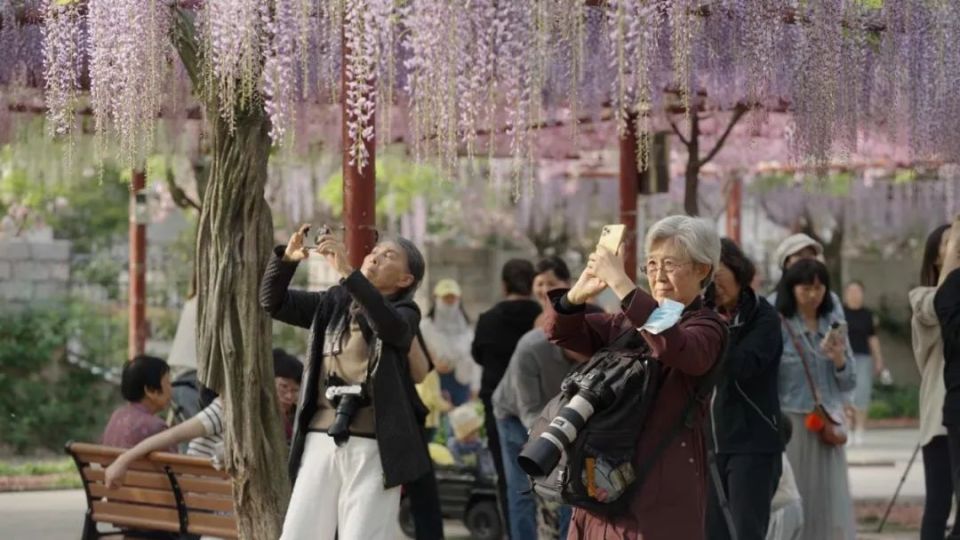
(359, 186)
(137, 328)
(629, 184)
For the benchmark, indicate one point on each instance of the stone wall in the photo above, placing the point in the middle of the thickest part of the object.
(477, 270)
(33, 270)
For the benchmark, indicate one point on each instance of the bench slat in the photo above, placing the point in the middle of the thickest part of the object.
(206, 502)
(151, 464)
(214, 525)
(152, 480)
(104, 455)
(156, 480)
(134, 515)
(135, 495)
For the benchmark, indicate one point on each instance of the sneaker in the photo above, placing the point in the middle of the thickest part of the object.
(858, 438)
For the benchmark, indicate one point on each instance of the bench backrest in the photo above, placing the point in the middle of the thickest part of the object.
(165, 492)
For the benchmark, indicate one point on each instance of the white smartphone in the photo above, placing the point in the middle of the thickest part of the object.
(612, 236)
(837, 333)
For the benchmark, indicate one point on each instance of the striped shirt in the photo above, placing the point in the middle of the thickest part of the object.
(211, 444)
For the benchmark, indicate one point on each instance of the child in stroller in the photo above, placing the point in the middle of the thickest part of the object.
(466, 479)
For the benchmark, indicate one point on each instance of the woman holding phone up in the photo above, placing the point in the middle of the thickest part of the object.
(357, 434)
(815, 371)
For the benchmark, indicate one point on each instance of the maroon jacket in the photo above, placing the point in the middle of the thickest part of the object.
(671, 503)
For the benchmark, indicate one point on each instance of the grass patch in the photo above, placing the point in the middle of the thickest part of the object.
(38, 468)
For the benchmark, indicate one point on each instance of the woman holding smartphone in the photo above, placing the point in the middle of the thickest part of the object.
(357, 434)
(816, 369)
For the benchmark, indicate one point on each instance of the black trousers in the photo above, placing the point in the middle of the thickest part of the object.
(749, 482)
(493, 443)
(938, 480)
(425, 503)
(953, 442)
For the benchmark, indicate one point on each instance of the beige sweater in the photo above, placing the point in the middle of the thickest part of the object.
(928, 353)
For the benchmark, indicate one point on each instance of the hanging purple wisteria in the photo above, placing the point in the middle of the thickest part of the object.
(462, 69)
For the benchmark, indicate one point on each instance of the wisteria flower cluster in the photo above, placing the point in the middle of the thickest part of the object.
(464, 69)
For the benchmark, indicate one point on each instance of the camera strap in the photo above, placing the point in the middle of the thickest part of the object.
(423, 346)
(703, 388)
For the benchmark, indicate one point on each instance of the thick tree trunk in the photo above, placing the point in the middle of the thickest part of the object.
(234, 239)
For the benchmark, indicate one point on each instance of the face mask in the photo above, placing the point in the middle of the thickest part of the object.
(664, 317)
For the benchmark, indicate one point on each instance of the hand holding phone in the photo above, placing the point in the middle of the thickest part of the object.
(296, 251)
(611, 237)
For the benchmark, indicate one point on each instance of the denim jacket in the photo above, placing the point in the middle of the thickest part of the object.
(795, 394)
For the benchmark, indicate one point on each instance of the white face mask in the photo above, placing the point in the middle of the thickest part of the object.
(448, 318)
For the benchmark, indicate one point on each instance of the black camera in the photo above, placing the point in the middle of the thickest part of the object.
(588, 392)
(347, 399)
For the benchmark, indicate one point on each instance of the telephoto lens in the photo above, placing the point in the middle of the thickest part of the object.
(542, 455)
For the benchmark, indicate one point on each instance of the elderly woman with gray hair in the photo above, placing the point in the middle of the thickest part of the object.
(682, 254)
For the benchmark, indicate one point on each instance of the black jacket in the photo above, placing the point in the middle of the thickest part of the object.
(947, 304)
(389, 327)
(745, 410)
(498, 331)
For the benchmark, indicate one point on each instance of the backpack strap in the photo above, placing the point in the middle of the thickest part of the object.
(426, 351)
(702, 389)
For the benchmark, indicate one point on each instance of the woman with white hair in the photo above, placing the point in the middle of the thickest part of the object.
(682, 254)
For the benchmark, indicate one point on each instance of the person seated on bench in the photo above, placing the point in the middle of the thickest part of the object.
(287, 374)
(204, 431)
(145, 384)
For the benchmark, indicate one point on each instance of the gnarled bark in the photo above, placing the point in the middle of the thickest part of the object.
(234, 239)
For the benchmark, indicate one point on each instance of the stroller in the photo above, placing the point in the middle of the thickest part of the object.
(466, 493)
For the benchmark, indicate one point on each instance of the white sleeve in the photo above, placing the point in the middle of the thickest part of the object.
(212, 418)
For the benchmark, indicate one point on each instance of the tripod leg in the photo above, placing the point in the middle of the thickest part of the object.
(896, 493)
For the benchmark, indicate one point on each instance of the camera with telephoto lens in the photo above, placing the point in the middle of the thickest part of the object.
(348, 399)
(588, 392)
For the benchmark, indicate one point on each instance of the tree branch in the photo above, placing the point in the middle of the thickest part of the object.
(180, 197)
(677, 131)
(737, 115)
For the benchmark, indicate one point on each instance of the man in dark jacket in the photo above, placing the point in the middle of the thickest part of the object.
(947, 305)
(745, 409)
(498, 331)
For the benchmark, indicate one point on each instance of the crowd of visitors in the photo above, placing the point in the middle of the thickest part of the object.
(754, 399)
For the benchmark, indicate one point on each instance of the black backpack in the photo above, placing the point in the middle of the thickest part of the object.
(598, 471)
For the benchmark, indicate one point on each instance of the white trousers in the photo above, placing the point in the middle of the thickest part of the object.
(341, 487)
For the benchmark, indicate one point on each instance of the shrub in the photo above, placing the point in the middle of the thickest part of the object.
(44, 400)
(895, 402)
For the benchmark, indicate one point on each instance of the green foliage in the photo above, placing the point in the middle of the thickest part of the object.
(44, 400)
(835, 184)
(895, 402)
(399, 181)
(37, 468)
(93, 216)
(81, 204)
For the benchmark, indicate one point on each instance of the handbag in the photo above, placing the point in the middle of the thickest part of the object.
(831, 430)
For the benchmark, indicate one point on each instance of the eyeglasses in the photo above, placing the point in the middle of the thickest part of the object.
(652, 268)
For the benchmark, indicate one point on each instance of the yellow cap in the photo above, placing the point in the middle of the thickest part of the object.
(446, 287)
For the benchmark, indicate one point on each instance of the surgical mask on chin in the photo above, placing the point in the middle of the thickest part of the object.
(664, 317)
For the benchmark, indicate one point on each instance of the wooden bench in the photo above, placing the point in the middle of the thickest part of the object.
(163, 496)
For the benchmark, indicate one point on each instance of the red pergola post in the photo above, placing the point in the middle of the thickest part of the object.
(137, 328)
(734, 203)
(359, 186)
(629, 181)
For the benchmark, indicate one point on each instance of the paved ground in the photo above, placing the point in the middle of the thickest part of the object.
(58, 515)
(876, 469)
